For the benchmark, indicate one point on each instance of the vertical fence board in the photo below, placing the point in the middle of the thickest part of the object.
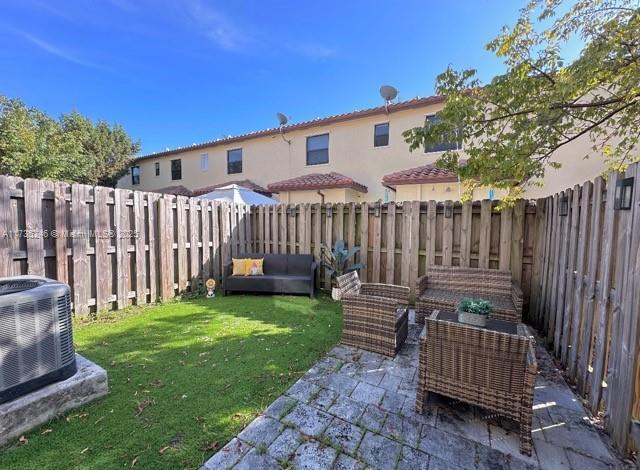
(80, 227)
(506, 224)
(364, 239)
(103, 243)
(570, 286)
(140, 254)
(390, 242)
(122, 247)
(485, 234)
(165, 249)
(562, 276)
(377, 244)
(517, 241)
(584, 351)
(60, 208)
(194, 253)
(152, 241)
(6, 218)
(447, 234)
(603, 295)
(430, 242)
(578, 294)
(33, 222)
(328, 239)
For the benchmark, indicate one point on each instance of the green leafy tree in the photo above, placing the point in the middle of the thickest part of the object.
(511, 127)
(71, 148)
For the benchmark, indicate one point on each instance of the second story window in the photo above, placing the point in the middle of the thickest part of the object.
(157, 165)
(318, 149)
(176, 169)
(234, 161)
(449, 142)
(204, 161)
(381, 135)
(135, 175)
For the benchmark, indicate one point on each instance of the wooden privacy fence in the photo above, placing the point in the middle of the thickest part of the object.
(400, 240)
(586, 295)
(115, 247)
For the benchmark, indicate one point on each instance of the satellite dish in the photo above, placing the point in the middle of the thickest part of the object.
(388, 93)
(282, 119)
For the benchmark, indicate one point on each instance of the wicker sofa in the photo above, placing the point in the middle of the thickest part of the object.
(375, 315)
(444, 286)
(494, 368)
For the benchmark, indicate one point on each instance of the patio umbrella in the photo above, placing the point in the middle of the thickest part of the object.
(238, 195)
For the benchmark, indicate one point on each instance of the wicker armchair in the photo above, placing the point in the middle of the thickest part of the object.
(375, 315)
(484, 367)
(444, 286)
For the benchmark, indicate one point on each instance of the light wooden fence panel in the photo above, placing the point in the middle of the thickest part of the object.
(588, 296)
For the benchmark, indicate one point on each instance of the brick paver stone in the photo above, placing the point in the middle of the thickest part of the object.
(368, 393)
(254, 459)
(261, 431)
(313, 456)
(450, 447)
(280, 407)
(345, 435)
(285, 444)
(378, 451)
(347, 408)
(308, 420)
(413, 459)
(344, 462)
(228, 456)
(303, 391)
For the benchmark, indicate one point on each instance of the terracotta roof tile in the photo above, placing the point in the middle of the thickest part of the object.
(321, 121)
(420, 174)
(244, 183)
(317, 181)
(178, 189)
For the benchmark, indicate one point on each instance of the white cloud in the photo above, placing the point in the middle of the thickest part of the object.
(311, 50)
(216, 26)
(57, 51)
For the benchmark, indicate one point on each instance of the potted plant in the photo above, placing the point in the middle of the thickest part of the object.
(474, 311)
(336, 263)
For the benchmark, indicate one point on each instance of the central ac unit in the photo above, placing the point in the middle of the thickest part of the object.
(36, 341)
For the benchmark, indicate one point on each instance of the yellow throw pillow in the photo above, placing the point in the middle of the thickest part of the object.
(239, 266)
(253, 267)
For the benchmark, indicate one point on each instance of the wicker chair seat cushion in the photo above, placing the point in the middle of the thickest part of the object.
(448, 300)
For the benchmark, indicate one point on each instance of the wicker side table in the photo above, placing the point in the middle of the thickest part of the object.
(492, 367)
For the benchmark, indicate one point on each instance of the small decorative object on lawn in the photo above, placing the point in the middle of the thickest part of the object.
(336, 263)
(474, 311)
(211, 288)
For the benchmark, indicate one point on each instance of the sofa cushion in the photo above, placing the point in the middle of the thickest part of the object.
(299, 265)
(269, 283)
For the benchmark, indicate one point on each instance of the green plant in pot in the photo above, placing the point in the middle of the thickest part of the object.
(339, 261)
(474, 311)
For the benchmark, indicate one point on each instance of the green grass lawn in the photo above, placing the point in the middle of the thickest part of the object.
(184, 378)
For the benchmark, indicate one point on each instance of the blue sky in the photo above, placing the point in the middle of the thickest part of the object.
(178, 72)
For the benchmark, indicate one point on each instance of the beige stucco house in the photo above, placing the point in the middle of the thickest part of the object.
(351, 157)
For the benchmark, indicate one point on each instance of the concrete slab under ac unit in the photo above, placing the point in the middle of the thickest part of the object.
(29, 411)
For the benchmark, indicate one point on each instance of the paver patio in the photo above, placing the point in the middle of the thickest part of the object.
(356, 409)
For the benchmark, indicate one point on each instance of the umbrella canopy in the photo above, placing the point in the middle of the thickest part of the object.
(238, 195)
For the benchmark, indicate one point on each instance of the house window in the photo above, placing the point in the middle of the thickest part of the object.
(234, 161)
(381, 135)
(135, 175)
(157, 168)
(318, 149)
(176, 169)
(204, 161)
(447, 143)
